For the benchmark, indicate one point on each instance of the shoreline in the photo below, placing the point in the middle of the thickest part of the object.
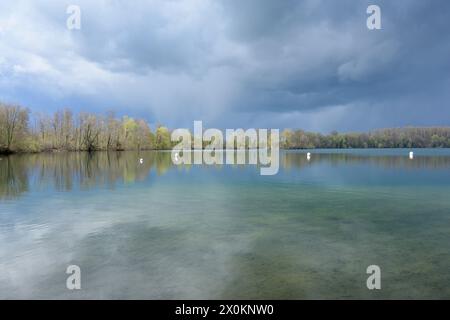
(9, 153)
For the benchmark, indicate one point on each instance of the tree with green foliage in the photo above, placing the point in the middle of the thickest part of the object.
(163, 138)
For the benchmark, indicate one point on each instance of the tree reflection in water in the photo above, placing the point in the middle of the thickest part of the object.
(66, 171)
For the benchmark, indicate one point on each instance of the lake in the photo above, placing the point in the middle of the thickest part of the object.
(159, 231)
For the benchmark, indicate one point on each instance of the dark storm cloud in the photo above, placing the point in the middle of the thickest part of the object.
(292, 63)
(323, 55)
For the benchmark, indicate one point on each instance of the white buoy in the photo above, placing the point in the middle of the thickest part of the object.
(308, 156)
(411, 155)
(141, 161)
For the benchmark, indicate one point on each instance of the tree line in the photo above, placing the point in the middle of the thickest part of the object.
(19, 132)
(409, 137)
(82, 132)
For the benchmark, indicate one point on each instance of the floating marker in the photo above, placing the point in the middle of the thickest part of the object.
(308, 156)
(411, 155)
(141, 161)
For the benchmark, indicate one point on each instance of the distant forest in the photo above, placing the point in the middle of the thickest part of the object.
(409, 137)
(64, 131)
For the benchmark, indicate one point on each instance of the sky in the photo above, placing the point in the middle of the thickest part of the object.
(310, 64)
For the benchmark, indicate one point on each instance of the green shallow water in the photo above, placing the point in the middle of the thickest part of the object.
(157, 231)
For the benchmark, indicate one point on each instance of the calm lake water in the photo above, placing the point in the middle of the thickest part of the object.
(157, 231)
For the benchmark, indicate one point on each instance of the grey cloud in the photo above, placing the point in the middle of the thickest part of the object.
(245, 61)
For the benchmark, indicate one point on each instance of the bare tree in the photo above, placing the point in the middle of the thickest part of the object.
(90, 132)
(13, 123)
